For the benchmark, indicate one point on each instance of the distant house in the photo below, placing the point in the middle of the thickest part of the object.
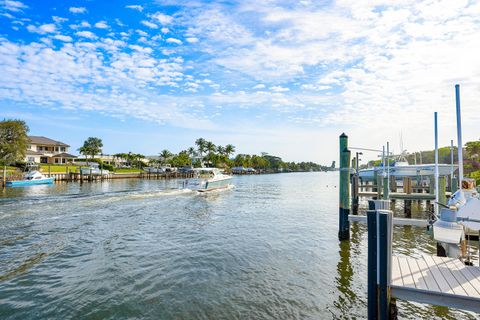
(45, 150)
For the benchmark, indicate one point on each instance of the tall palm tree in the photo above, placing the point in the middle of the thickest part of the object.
(211, 148)
(229, 149)
(201, 145)
(165, 155)
(191, 153)
(221, 150)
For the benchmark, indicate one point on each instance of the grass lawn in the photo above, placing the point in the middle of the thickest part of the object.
(127, 170)
(57, 168)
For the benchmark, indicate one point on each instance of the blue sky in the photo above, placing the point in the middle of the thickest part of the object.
(285, 77)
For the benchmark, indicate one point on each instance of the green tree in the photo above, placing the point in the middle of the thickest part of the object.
(13, 141)
(472, 149)
(229, 150)
(165, 155)
(91, 147)
(191, 153)
(201, 146)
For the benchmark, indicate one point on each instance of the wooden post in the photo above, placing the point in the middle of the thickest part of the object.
(407, 185)
(379, 186)
(454, 186)
(4, 180)
(344, 205)
(442, 187)
(372, 300)
(49, 171)
(431, 185)
(386, 187)
(355, 198)
(385, 228)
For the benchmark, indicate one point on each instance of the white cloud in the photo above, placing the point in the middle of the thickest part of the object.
(43, 29)
(162, 18)
(192, 40)
(63, 38)
(259, 86)
(164, 30)
(86, 34)
(59, 19)
(77, 9)
(149, 24)
(101, 25)
(174, 40)
(135, 7)
(279, 89)
(14, 6)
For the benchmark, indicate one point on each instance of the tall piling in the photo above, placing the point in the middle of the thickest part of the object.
(344, 189)
(442, 188)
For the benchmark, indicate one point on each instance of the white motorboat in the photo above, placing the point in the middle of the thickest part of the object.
(207, 179)
(401, 169)
(33, 177)
(153, 170)
(94, 170)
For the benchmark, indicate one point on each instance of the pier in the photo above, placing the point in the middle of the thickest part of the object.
(437, 280)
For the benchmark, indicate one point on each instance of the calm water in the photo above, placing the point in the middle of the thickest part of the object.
(266, 249)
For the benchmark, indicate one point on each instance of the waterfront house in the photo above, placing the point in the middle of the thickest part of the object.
(45, 150)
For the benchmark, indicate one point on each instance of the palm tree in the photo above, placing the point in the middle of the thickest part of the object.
(211, 148)
(165, 155)
(229, 149)
(201, 145)
(221, 150)
(191, 153)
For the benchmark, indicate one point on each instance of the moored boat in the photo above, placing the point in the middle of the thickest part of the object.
(34, 177)
(207, 179)
(94, 169)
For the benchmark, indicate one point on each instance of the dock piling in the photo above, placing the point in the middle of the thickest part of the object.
(344, 189)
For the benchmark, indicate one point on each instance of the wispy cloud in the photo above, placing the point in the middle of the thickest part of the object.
(43, 29)
(77, 10)
(14, 6)
(135, 7)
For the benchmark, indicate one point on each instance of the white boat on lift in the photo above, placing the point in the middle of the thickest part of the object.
(94, 170)
(401, 169)
(207, 179)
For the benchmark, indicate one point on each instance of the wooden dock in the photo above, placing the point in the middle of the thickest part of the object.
(436, 280)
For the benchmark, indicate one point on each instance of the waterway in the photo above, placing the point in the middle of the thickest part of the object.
(264, 249)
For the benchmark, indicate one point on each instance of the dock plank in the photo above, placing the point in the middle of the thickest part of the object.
(437, 275)
(437, 280)
(406, 273)
(447, 274)
(461, 276)
(417, 274)
(427, 276)
(396, 272)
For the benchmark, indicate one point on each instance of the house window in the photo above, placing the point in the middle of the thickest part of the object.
(29, 147)
(57, 160)
(31, 159)
(56, 149)
(43, 159)
(39, 148)
(62, 149)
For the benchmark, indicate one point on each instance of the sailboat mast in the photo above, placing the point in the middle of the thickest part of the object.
(459, 136)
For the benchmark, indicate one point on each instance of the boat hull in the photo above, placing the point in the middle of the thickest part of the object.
(202, 185)
(26, 183)
(406, 171)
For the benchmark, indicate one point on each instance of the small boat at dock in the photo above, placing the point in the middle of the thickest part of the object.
(31, 178)
(207, 179)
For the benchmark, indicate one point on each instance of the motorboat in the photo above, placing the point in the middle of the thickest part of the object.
(31, 178)
(401, 169)
(94, 170)
(153, 170)
(207, 179)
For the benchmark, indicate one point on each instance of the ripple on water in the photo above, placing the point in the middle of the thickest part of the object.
(266, 249)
